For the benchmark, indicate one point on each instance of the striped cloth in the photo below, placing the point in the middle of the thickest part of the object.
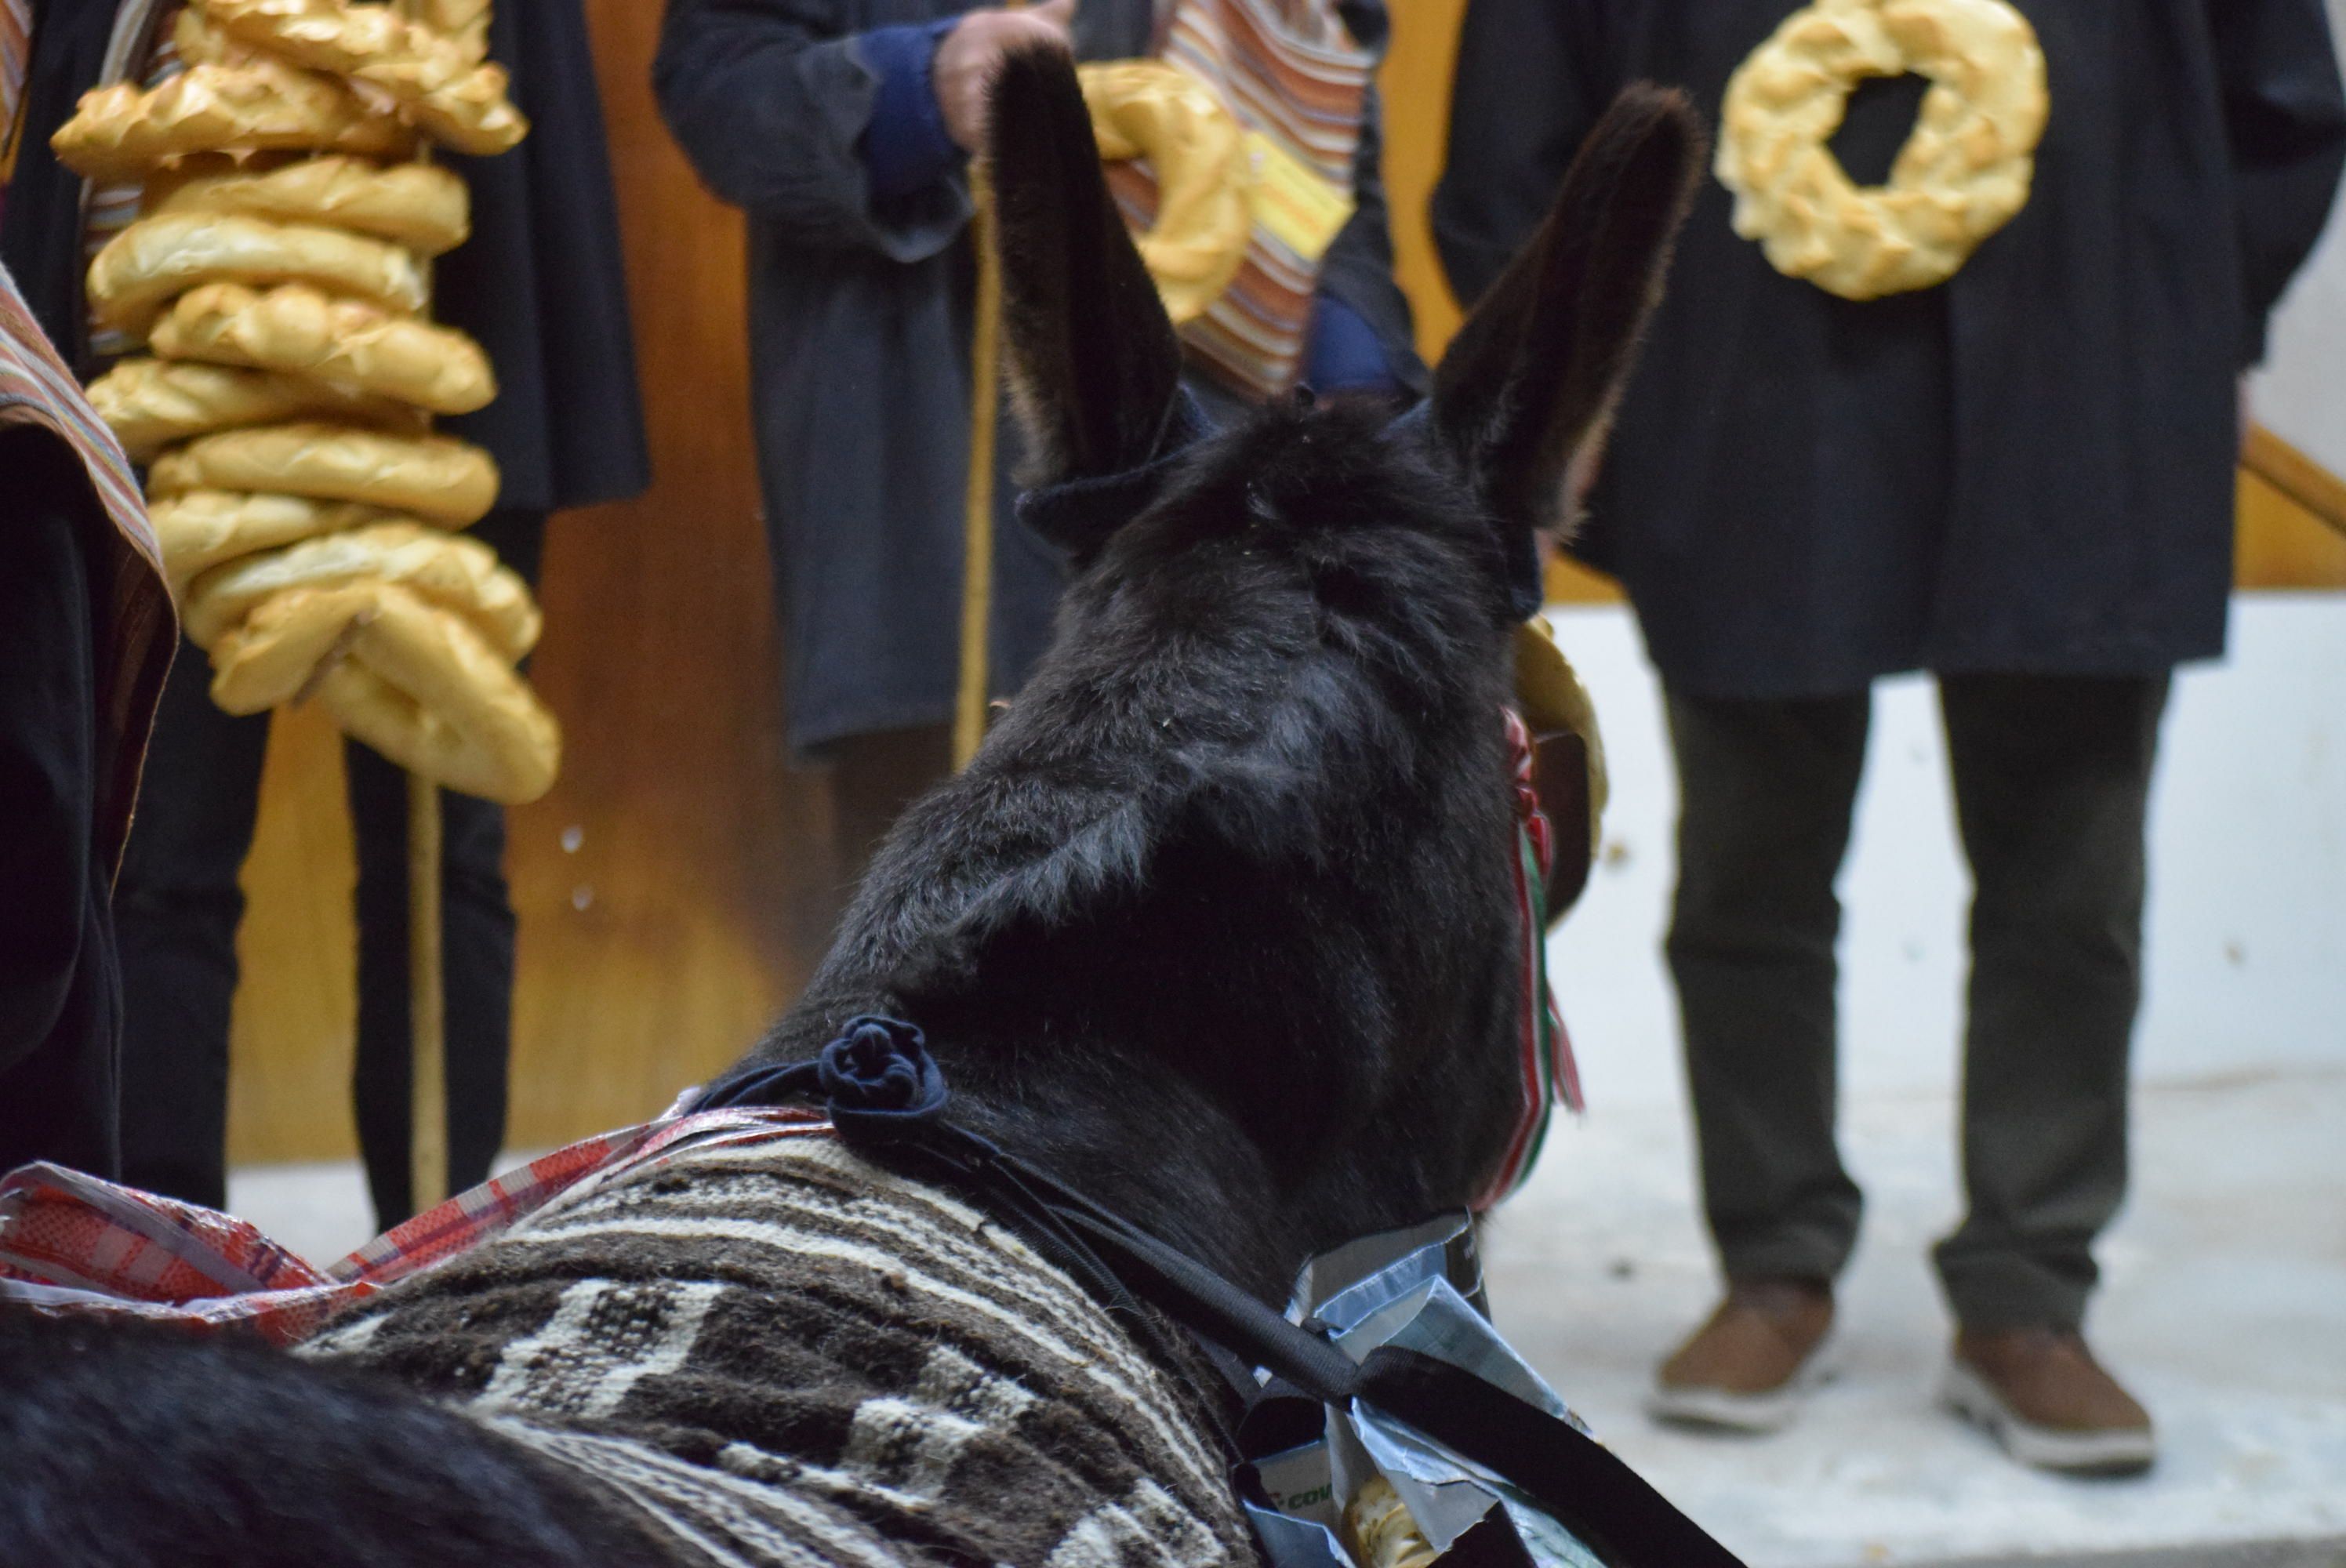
(16, 59)
(787, 1355)
(1294, 77)
(136, 629)
(141, 47)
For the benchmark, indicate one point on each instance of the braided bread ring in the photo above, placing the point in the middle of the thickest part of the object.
(149, 403)
(298, 330)
(455, 574)
(157, 258)
(1962, 175)
(459, 101)
(420, 686)
(202, 528)
(424, 208)
(436, 477)
(120, 132)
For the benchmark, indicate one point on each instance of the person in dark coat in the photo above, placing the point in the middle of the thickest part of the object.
(540, 285)
(843, 134)
(2020, 481)
(86, 635)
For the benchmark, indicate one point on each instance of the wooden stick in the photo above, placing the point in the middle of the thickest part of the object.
(977, 504)
(427, 1117)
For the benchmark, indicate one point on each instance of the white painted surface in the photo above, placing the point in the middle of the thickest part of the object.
(2300, 393)
(2247, 929)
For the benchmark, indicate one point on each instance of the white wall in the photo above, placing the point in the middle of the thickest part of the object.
(2247, 949)
(2301, 391)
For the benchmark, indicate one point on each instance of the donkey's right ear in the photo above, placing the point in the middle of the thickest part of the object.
(1094, 366)
(1525, 395)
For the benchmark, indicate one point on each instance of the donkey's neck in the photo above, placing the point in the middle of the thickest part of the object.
(1130, 1133)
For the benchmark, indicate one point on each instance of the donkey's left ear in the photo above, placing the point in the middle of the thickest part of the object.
(1094, 364)
(1523, 399)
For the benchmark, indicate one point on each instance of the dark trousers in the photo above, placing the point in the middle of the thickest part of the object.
(2051, 779)
(178, 905)
(59, 1007)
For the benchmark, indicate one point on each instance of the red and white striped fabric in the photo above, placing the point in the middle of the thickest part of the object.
(72, 1243)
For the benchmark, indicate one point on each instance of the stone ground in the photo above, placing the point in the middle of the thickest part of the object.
(2225, 1308)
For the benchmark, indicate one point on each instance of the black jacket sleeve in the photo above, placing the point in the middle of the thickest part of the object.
(2285, 113)
(769, 99)
(1532, 79)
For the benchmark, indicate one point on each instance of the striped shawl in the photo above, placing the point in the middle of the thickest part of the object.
(786, 1355)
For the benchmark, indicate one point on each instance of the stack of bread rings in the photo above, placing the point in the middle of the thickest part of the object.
(278, 275)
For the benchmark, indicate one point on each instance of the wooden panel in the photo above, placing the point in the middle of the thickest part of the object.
(1415, 87)
(2281, 542)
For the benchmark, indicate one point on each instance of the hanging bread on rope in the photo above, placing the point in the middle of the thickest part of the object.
(302, 331)
(150, 404)
(434, 476)
(279, 273)
(461, 102)
(425, 209)
(120, 132)
(156, 258)
(1964, 174)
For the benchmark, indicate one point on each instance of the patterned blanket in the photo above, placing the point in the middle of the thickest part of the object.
(787, 1355)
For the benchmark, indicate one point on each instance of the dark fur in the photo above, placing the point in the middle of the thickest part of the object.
(1217, 927)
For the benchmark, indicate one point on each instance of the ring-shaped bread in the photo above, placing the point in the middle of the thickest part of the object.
(149, 403)
(1197, 149)
(421, 205)
(300, 330)
(1963, 173)
(200, 529)
(122, 131)
(156, 258)
(457, 99)
(418, 684)
(448, 571)
(437, 477)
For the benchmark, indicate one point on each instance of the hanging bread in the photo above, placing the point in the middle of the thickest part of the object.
(299, 330)
(156, 258)
(149, 403)
(459, 101)
(458, 575)
(119, 132)
(436, 477)
(422, 686)
(200, 529)
(465, 23)
(418, 205)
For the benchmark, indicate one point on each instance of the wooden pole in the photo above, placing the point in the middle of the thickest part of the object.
(427, 1013)
(977, 503)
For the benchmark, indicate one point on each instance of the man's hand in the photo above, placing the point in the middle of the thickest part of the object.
(967, 60)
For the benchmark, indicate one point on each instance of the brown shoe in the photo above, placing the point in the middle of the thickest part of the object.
(1747, 1368)
(2042, 1395)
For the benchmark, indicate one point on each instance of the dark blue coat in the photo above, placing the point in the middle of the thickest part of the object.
(2028, 469)
(860, 339)
(539, 283)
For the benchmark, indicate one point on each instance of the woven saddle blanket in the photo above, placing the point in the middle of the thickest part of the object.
(787, 1355)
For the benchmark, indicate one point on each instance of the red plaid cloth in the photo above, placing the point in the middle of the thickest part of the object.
(72, 1243)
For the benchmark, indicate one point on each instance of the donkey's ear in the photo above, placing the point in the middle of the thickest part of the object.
(1523, 396)
(1094, 364)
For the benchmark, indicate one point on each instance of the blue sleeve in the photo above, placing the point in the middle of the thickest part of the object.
(1343, 352)
(906, 146)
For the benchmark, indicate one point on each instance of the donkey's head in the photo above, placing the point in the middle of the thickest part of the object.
(1234, 880)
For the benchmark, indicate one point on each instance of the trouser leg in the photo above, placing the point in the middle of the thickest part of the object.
(177, 907)
(477, 937)
(2052, 779)
(1767, 789)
